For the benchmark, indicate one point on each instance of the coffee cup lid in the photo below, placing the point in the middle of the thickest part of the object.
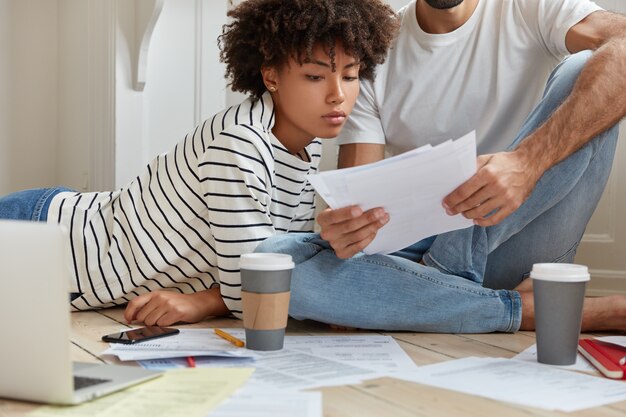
(560, 272)
(265, 261)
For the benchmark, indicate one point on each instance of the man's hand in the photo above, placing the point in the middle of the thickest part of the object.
(349, 230)
(164, 308)
(503, 181)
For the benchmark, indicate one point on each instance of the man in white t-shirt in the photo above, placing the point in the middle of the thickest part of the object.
(546, 152)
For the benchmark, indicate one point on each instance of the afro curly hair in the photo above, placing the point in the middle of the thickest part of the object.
(270, 32)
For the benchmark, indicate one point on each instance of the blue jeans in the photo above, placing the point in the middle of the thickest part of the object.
(465, 284)
(28, 204)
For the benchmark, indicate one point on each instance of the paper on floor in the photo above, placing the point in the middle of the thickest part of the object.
(180, 392)
(530, 355)
(189, 342)
(521, 383)
(262, 403)
(313, 361)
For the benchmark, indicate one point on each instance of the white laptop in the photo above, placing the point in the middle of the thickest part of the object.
(35, 360)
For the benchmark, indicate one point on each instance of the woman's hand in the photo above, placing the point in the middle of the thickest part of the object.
(349, 230)
(164, 308)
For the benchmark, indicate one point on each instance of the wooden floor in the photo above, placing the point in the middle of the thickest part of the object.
(380, 397)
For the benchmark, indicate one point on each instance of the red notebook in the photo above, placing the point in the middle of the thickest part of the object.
(604, 356)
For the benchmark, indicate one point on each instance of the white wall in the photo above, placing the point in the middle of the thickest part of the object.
(397, 4)
(184, 81)
(54, 113)
(6, 109)
(28, 93)
(73, 95)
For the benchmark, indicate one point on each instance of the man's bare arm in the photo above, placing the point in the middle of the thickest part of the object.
(360, 154)
(598, 101)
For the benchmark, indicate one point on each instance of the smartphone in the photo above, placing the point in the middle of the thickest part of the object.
(129, 337)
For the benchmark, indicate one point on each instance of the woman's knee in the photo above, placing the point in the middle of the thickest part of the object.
(301, 246)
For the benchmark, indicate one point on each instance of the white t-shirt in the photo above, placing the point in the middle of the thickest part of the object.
(487, 75)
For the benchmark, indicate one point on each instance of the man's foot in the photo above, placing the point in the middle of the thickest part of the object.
(599, 313)
(604, 313)
(525, 286)
(525, 289)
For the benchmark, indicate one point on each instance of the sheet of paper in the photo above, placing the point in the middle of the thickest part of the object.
(618, 340)
(327, 360)
(370, 351)
(381, 353)
(285, 369)
(182, 392)
(410, 187)
(189, 342)
(271, 404)
(307, 361)
(530, 355)
(520, 383)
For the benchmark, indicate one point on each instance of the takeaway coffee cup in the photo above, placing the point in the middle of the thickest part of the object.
(559, 291)
(265, 290)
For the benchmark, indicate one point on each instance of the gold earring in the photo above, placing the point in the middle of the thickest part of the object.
(272, 89)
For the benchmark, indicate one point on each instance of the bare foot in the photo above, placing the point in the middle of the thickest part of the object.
(604, 313)
(525, 286)
(599, 313)
(525, 289)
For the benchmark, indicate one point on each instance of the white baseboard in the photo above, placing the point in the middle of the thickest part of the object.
(607, 282)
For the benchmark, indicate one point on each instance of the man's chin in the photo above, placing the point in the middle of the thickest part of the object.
(443, 4)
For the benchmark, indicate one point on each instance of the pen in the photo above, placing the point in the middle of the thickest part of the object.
(232, 339)
(191, 361)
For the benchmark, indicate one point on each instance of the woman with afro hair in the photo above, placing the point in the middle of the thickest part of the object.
(168, 243)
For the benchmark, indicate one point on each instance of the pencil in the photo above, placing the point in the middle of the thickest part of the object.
(232, 339)
(191, 361)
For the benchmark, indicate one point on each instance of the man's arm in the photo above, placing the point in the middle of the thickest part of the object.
(355, 154)
(597, 102)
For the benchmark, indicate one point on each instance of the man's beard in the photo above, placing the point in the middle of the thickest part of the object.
(443, 4)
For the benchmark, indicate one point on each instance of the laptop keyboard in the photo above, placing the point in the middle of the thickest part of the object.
(84, 382)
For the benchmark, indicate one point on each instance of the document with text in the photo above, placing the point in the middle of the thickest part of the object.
(410, 187)
(521, 383)
(308, 361)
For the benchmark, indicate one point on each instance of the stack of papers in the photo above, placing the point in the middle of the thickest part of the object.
(306, 361)
(410, 187)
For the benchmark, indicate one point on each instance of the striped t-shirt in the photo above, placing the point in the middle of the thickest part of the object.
(183, 223)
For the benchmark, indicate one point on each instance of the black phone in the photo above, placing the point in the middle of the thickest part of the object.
(139, 335)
